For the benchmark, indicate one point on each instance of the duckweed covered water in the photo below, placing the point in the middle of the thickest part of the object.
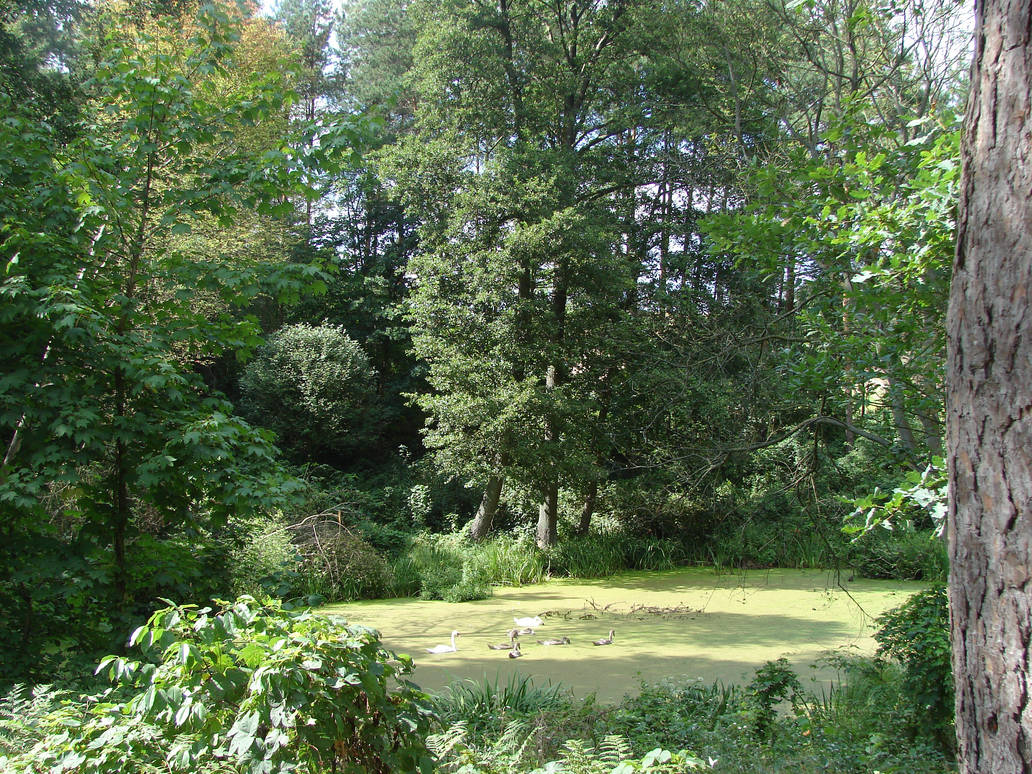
(688, 624)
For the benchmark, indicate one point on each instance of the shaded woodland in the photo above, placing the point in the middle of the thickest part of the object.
(319, 303)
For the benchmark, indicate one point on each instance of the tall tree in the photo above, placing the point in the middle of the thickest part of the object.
(513, 170)
(990, 392)
(120, 279)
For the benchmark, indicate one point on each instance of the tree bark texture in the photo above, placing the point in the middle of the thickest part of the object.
(989, 404)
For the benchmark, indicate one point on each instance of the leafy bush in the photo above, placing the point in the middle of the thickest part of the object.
(447, 568)
(854, 728)
(774, 682)
(262, 559)
(312, 385)
(864, 720)
(671, 714)
(917, 635)
(23, 717)
(249, 688)
(613, 756)
(901, 554)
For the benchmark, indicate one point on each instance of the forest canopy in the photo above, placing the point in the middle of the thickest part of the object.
(298, 302)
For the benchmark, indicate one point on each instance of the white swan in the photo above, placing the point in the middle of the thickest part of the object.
(605, 641)
(529, 623)
(445, 648)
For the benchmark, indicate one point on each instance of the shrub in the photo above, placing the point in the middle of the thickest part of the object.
(24, 716)
(313, 386)
(672, 714)
(917, 635)
(446, 569)
(613, 756)
(262, 559)
(337, 564)
(774, 682)
(900, 554)
(249, 688)
(864, 720)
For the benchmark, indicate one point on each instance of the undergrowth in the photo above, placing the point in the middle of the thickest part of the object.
(771, 726)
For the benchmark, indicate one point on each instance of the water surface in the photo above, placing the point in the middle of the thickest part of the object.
(692, 624)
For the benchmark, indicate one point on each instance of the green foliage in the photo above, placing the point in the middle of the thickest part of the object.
(251, 686)
(789, 540)
(613, 756)
(314, 387)
(857, 726)
(507, 560)
(670, 713)
(920, 497)
(446, 569)
(503, 752)
(262, 559)
(864, 720)
(40, 60)
(108, 303)
(24, 714)
(868, 216)
(917, 635)
(905, 554)
(774, 682)
(601, 554)
(490, 706)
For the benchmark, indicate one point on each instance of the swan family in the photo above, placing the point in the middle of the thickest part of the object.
(524, 626)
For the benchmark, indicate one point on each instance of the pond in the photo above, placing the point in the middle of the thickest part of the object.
(688, 624)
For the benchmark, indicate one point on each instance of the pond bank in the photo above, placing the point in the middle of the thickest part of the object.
(693, 624)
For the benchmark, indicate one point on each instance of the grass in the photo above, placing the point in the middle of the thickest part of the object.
(491, 704)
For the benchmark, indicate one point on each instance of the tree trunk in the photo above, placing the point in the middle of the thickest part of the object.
(789, 296)
(989, 403)
(589, 509)
(847, 366)
(548, 512)
(899, 416)
(484, 518)
(932, 434)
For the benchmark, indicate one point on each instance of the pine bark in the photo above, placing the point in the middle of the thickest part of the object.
(989, 404)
